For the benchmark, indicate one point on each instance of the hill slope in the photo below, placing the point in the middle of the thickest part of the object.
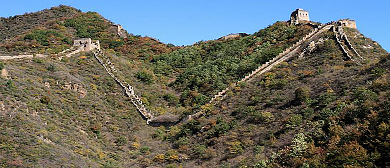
(310, 110)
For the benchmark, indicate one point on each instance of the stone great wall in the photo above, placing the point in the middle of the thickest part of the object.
(342, 39)
(129, 91)
(285, 55)
(80, 45)
(67, 53)
(87, 45)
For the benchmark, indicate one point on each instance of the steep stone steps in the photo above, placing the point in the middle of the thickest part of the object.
(285, 55)
(129, 91)
(345, 45)
(135, 99)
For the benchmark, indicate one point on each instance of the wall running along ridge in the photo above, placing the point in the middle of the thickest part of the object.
(137, 102)
(285, 55)
(87, 45)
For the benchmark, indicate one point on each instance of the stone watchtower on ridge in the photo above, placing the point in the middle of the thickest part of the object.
(347, 23)
(87, 44)
(299, 16)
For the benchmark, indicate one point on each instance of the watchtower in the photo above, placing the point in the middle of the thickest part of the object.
(347, 23)
(87, 44)
(299, 16)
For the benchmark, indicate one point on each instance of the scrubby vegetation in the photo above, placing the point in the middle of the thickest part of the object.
(336, 116)
(208, 67)
(315, 111)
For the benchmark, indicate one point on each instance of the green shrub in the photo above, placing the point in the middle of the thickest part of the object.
(378, 71)
(44, 37)
(145, 150)
(9, 84)
(160, 133)
(221, 128)
(302, 94)
(116, 43)
(258, 149)
(45, 100)
(202, 152)
(37, 60)
(182, 141)
(264, 116)
(192, 98)
(299, 145)
(278, 84)
(294, 120)
(171, 99)
(1, 66)
(327, 112)
(122, 140)
(362, 94)
(235, 147)
(87, 25)
(144, 77)
(51, 68)
(326, 99)
(190, 128)
(96, 127)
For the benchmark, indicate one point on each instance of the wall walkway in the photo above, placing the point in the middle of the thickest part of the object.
(129, 91)
(285, 55)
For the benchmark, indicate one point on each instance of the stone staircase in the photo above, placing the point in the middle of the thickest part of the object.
(342, 39)
(270, 64)
(129, 90)
(285, 55)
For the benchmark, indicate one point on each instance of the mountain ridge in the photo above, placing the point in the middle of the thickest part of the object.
(316, 101)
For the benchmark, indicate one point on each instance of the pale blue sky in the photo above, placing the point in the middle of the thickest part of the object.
(184, 22)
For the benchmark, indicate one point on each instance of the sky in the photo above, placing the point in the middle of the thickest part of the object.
(184, 22)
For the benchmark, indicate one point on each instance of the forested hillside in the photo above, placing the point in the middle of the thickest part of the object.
(317, 109)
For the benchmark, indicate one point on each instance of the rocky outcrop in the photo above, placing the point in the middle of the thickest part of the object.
(233, 36)
(76, 87)
(4, 73)
(2, 106)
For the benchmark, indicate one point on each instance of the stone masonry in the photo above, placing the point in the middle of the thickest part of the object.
(299, 16)
(347, 23)
(86, 43)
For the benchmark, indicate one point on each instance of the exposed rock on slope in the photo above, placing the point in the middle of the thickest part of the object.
(310, 110)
